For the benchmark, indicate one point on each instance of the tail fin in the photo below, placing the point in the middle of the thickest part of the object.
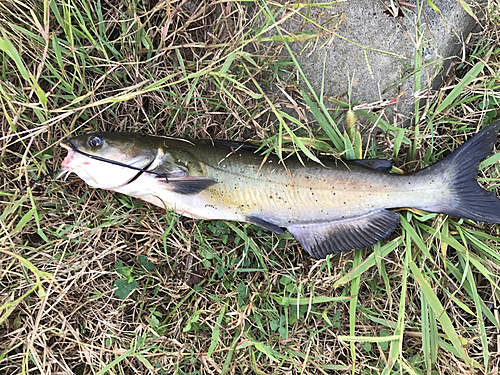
(459, 169)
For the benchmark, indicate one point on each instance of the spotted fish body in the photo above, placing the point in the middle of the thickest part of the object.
(337, 206)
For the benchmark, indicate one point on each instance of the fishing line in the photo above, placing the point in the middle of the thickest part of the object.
(141, 172)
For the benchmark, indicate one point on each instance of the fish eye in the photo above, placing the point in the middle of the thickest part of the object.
(94, 141)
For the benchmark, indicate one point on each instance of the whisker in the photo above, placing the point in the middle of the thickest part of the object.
(63, 174)
(41, 178)
(66, 175)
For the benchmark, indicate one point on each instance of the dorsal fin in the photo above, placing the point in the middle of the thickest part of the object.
(381, 165)
(236, 145)
(354, 233)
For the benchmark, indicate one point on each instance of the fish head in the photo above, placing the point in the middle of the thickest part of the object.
(108, 160)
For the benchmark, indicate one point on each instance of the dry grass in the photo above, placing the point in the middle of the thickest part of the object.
(221, 297)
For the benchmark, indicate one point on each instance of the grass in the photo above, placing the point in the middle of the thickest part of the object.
(98, 283)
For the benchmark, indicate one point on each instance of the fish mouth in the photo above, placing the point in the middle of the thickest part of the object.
(71, 151)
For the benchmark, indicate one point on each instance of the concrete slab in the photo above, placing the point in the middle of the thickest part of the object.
(374, 43)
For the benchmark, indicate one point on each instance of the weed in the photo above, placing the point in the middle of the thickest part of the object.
(98, 283)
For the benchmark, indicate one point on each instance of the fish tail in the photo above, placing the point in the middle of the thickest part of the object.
(459, 170)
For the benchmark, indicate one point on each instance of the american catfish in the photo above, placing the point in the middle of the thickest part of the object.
(335, 207)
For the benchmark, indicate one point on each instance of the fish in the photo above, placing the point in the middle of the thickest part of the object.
(332, 207)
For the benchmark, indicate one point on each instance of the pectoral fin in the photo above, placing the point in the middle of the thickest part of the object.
(265, 224)
(354, 233)
(189, 185)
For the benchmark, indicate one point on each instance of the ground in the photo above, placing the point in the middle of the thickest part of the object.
(93, 282)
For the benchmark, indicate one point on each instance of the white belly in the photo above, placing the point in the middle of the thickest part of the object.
(156, 191)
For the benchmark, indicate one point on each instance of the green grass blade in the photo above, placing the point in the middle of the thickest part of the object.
(395, 350)
(367, 263)
(458, 89)
(440, 313)
(426, 333)
(216, 332)
(352, 307)
(479, 316)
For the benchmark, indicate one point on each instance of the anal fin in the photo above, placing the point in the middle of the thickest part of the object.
(354, 233)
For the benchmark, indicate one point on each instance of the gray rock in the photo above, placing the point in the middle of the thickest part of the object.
(377, 50)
